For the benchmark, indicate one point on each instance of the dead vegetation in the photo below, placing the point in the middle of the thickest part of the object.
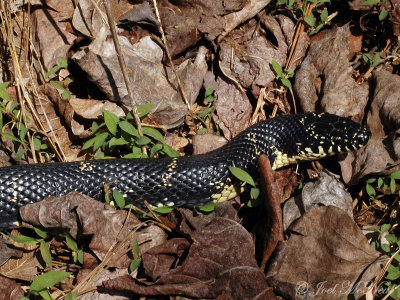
(194, 67)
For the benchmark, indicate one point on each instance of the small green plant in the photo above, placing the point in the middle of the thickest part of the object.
(372, 59)
(77, 254)
(316, 24)
(381, 184)
(117, 136)
(389, 244)
(40, 284)
(287, 3)
(137, 260)
(60, 85)
(282, 75)
(383, 13)
(245, 177)
(207, 113)
(44, 248)
(11, 117)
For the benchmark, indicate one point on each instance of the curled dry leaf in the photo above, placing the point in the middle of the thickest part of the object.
(232, 106)
(248, 54)
(50, 35)
(327, 190)
(151, 81)
(327, 257)
(7, 250)
(326, 71)
(50, 106)
(10, 289)
(219, 262)
(382, 153)
(105, 224)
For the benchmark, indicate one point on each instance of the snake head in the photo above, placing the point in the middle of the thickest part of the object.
(329, 134)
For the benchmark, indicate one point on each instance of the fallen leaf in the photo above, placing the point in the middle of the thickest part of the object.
(219, 262)
(325, 257)
(10, 289)
(7, 250)
(327, 71)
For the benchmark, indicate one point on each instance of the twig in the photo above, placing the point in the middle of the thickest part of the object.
(182, 91)
(122, 64)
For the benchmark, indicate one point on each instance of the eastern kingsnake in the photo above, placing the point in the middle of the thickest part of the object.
(184, 181)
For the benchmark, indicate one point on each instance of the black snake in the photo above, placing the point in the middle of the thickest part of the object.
(184, 181)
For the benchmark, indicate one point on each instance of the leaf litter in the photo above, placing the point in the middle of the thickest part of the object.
(229, 47)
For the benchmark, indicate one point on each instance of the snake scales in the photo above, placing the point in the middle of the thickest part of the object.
(184, 181)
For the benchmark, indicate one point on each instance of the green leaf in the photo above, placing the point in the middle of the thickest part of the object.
(99, 140)
(40, 232)
(11, 137)
(209, 99)
(324, 15)
(135, 248)
(20, 153)
(45, 294)
(380, 182)
(385, 227)
(392, 185)
(277, 68)
(395, 175)
(377, 60)
(255, 192)
(171, 152)
(393, 273)
(242, 175)
(391, 238)
(370, 190)
(62, 62)
(310, 20)
(57, 85)
(80, 255)
(23, 239)
(154, 133)
(52, 71)
(66, 95)
(135, 264)
(128, 128)
(48, 279)
(142, 140)
(117, 142)
(119, 198)
(286, 82)
(3, 91)
(385, 248)
(133, 155)
(208, 92)
(37, 143)
(202, 130)
(111, 121)
(371, 180)
(144, 109)
(155, 149)
(163, 210)
(45, 252)
(208, 207)
(370, 2)
(88, 143)
(71, 242)
(71, 296)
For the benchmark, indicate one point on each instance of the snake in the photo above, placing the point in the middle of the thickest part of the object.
(187, 180)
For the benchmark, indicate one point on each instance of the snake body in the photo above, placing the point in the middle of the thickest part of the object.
(184, 181)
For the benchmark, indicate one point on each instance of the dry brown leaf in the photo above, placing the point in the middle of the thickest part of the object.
(326, 71)
(151, 81)
(203, 143)
(50, 34)
(327, 190)
(24, 268)
(382, 153)
(7, 250)
(10, 289)
(219, 263)
(324, 258)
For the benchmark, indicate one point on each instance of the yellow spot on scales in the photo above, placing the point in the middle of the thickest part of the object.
(282, 159)
(85, 166)
(230, 191)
